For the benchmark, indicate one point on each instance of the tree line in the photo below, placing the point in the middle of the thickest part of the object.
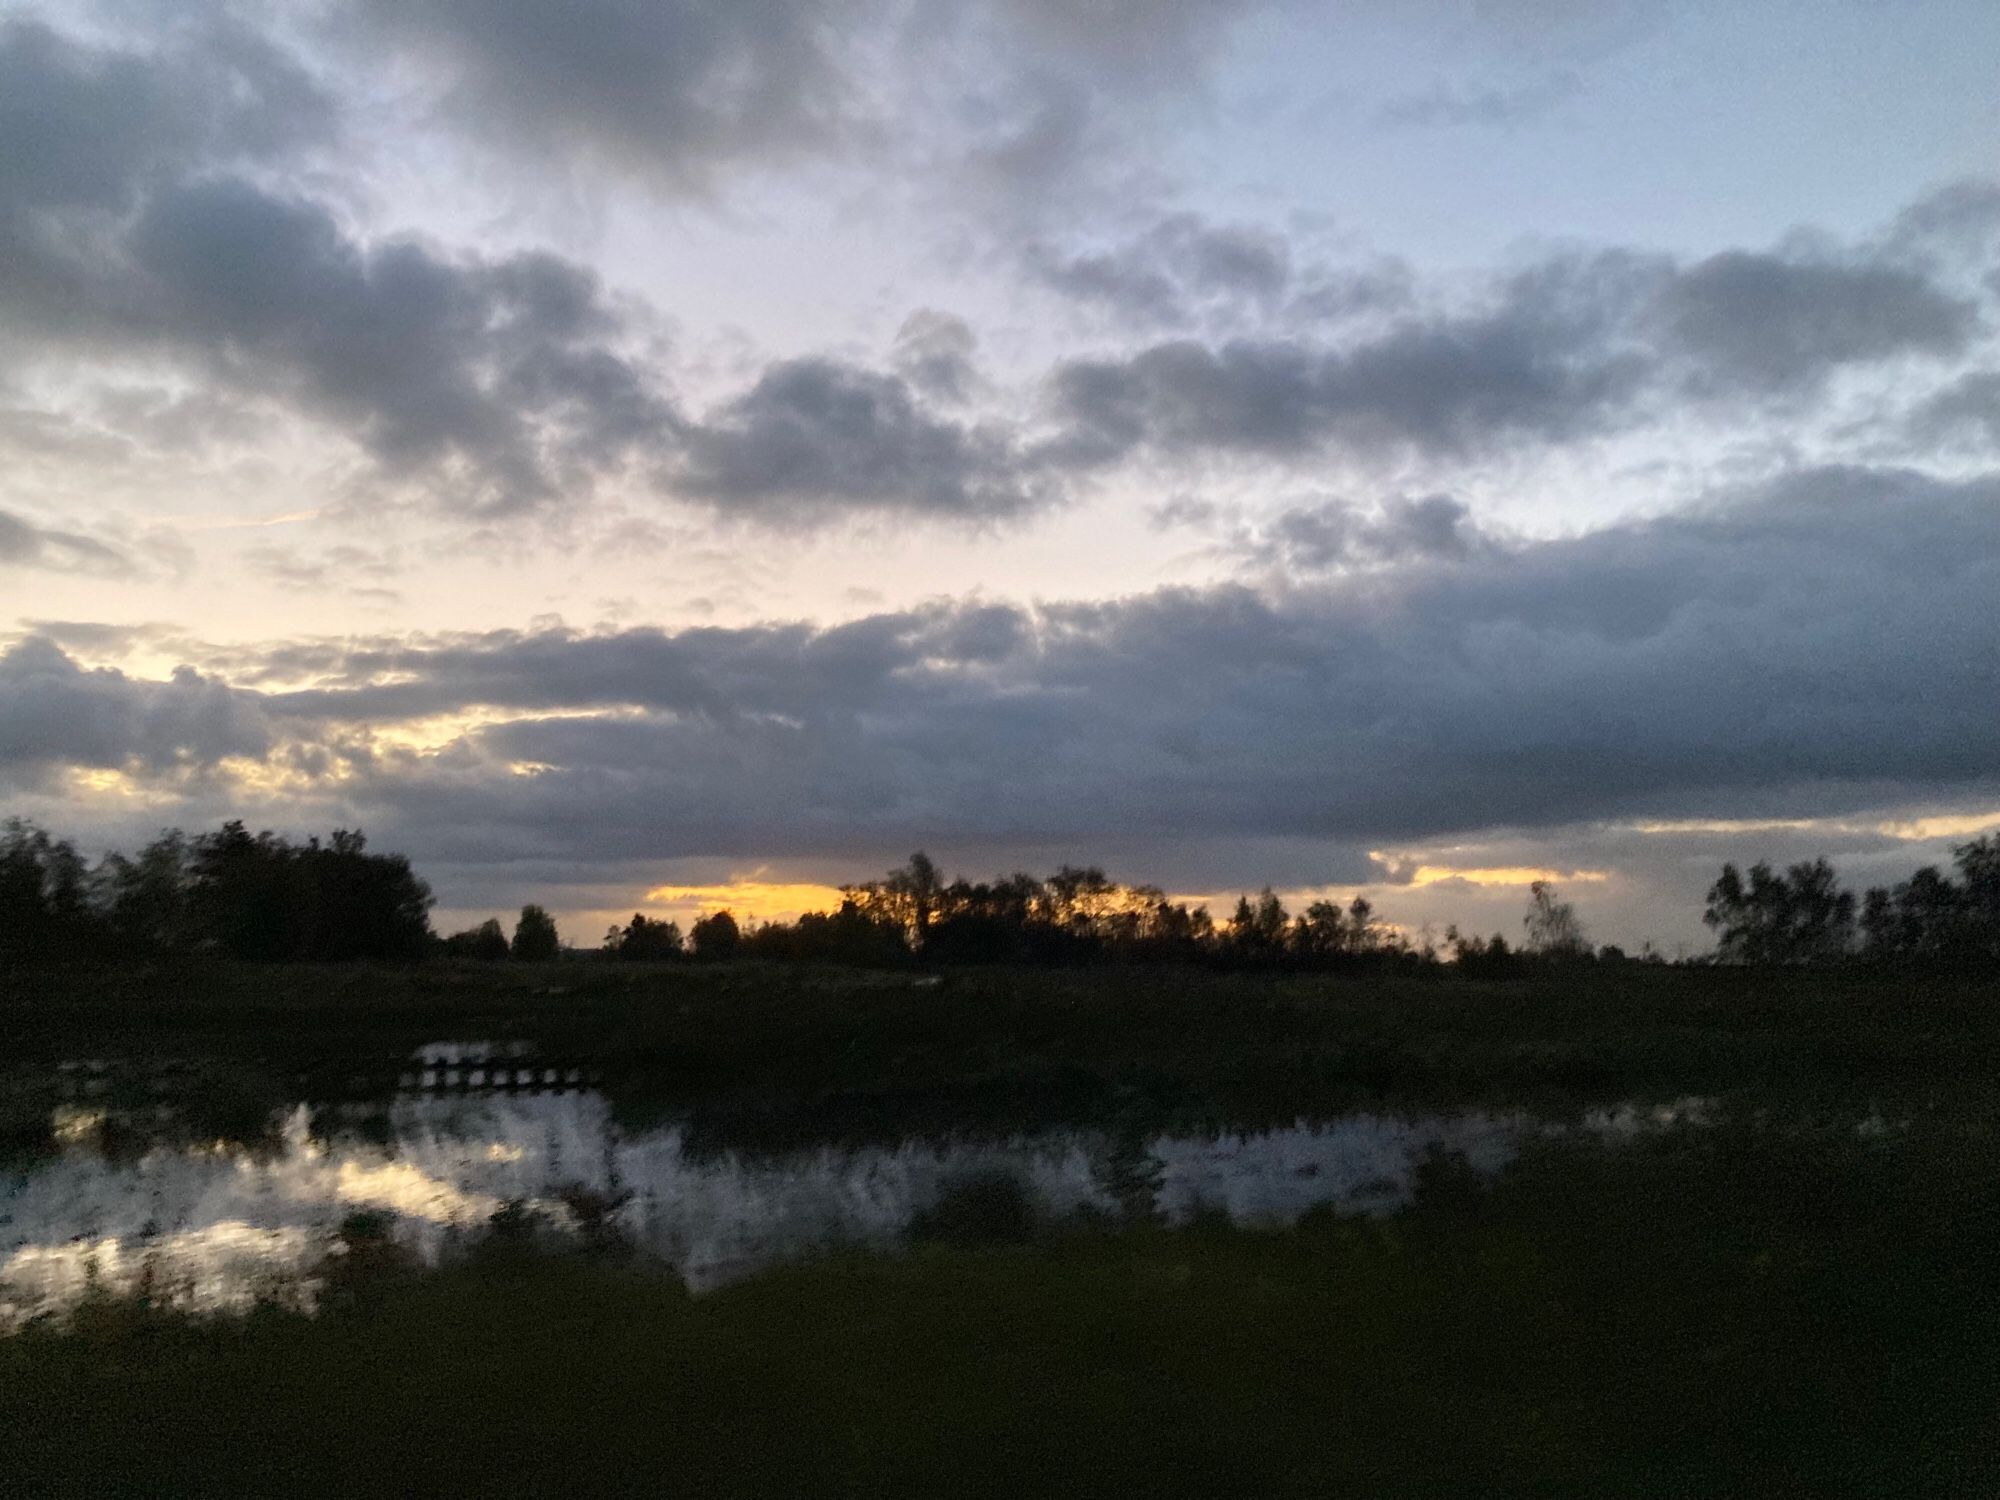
(1802, 915)
(248, 896)
(1799, 916)
(265, 897)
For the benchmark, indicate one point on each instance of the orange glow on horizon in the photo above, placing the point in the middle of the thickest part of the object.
(1962, 825)
(749, 900)
(1503, 875)
(1908, 830)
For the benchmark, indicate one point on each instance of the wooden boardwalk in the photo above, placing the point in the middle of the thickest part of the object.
(96, 1079)
(508, 1074)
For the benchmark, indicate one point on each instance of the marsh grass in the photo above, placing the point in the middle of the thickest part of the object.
(1720, 1312)
(984, 1208)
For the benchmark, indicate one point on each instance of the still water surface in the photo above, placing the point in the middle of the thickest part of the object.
(216, 1226)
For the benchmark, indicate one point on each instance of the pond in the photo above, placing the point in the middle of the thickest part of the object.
(218, 1225)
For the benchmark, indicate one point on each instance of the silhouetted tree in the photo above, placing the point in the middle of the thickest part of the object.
(361, 905)
(907, 898)
(847, 935)
(1478, 957)
(263, 898)
(1932, 920)
(1079, 900)
(148, 902)
(247, 895)
(644, 939)
(1325, 934)
(1552, 925)
(535, 939)
(1256, 931)
(716, 936)
(1177, 931)
(44, 897)
(1800, 917)
(487, 942)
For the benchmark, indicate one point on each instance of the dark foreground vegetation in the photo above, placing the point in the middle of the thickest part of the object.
(1724, 1312)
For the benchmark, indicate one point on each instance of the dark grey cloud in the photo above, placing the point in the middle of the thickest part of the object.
(1173, 272)
(88, 125)
(1958, 221)
(1765, 323)
(54, 713)
(503, 376)
(1185, 271)
(507, 369)
(815, 437)
(682, 89)
(677, 89)
(1569, 348)
(1329, 295)
(1826, 642)
(1538, 365)
(1780, 649)
(494, 384)
(149, 230)
(1966, 412)
(1029, 149)
(26, 545)
(89, 128)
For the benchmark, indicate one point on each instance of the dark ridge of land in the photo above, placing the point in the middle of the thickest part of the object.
(1719, 1313)
(773, 1055)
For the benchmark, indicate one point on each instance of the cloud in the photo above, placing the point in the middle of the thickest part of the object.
(1169, 274)
(90, 123)
(499, 379)
(934, 352)
(504, 372)
(1966, 412)
(1573, 347)
(1956, 222)
(54, 713)
(89, 128)
(1766, 323)
(814, 438)
(149, 234)
(26, 545)
(98, 638)
(677, 90)
(1534, 366)
(1330, 534)
(681, 92)
(1649, 697)
(1185, 270)
(1818, 644)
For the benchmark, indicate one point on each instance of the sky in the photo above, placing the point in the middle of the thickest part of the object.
(652, 455)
